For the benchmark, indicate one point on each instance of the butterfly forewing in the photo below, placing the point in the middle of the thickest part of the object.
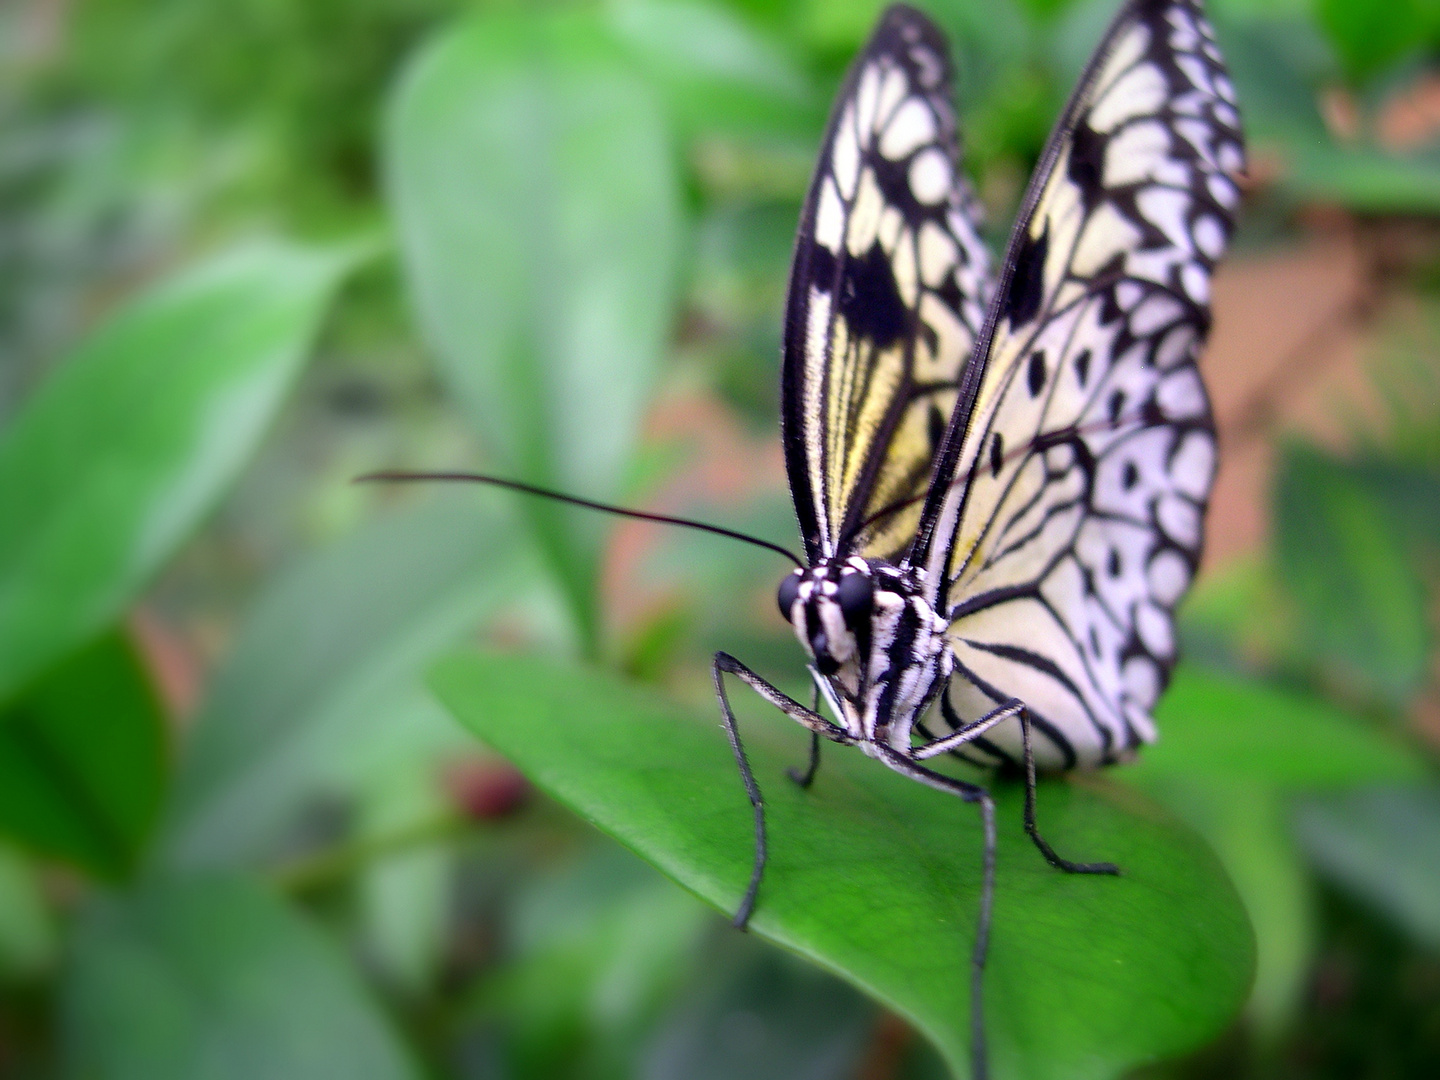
(887, 292)
(1066, 520)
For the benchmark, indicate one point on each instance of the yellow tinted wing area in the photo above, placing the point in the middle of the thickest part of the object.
(887, 292)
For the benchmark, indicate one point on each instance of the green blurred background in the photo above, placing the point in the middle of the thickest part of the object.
(250, 250)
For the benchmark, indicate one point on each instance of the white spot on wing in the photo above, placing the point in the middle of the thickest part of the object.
(1169, 577)
(912, 126)
(937, 254)
(930, 176)
(892, 90)
(846, 155)
(865, 215)
(1139, 92)
(1193, 466)
(829, 217)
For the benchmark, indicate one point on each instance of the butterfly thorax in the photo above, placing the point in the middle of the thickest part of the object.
(876, 646)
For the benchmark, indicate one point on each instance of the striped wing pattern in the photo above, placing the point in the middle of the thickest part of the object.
(888, 289)
(1073, 523)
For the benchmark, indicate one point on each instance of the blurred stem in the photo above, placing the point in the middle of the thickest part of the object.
(333, 864)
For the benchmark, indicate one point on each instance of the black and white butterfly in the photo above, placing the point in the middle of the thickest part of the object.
(1000, 476)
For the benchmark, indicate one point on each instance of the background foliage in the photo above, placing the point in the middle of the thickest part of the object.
(251, 250)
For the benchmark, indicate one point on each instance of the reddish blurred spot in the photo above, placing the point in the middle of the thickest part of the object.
(486, 789)
(725, 466)
(174, 665)
(1341, 113)
(1410, 120)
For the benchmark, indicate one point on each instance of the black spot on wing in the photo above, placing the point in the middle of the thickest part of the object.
(1027, 285)
(821, 268)
(1035, 377)
(936, 425)
(870, 300)
(1086, 165)
(997, 455)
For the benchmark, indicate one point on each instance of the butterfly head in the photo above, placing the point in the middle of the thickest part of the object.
(848, 614)
(831, 605)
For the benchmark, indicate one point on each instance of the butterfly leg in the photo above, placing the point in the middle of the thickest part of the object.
(971, 793)
(817, 724)
(960, 737)
(806, 778)
(1039, 841)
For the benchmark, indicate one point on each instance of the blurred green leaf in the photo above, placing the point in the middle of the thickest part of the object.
(1231, 753)
(598, 949)
(1246, 822)
(118, 456)
(1362, 178)
(839, 25)
(1279, 61)
(213, 977)
(83, 760)
(404, 897)
(715, 71)
(326, 670)
(761, 1014)
(1347, 567)
(27, 932)
(1383, 846)
(1368, 35)
(1226, 727)
(533, 182)
(1410, 496)
(876, 877)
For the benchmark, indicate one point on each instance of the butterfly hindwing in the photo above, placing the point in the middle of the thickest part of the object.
(1069, 524)
(887, 291)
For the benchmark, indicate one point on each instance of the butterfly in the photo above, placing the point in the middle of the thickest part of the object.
(1000, 472)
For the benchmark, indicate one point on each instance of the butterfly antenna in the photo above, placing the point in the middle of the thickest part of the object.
(574, 500)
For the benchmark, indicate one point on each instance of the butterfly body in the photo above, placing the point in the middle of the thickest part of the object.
(877, 649)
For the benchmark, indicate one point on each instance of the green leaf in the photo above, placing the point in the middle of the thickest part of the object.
(714, 71)
(599, 948)
(404, 896)
(530, 172)
(27, 931)
(120, 454)
(326, 671)
(1370, 34)
(213, 977)
(1224, 727)
(83, 760)
(1246, 821)
(756, 1012)
(1348, 568)
(876, 877)
(1382, 845)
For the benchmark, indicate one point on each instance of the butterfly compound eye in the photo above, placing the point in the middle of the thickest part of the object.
(789, 593)
(856, 597)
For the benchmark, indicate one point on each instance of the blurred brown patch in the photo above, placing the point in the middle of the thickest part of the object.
(1410, 119)
(174, 664)
(723, 465)
(1285, 356)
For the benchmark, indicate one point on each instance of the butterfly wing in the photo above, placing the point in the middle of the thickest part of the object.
(1082, 452)
(887, 290)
